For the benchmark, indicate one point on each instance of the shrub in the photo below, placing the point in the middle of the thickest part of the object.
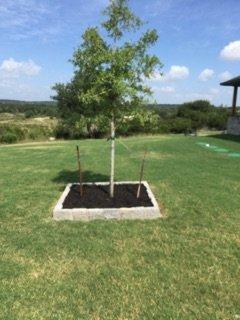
(195, 106)
(179, 125)
(217, 121)
(8, 137)
(10, 133)
(37, 132)
(30, 113)
(84, 127)
(22, 131)
(68, 130)
(141, 121)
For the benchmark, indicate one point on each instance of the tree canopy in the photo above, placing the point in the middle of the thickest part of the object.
(110, 72)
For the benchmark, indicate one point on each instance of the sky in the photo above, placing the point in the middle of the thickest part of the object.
(199, 45)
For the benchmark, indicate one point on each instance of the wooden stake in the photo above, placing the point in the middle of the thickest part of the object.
(141, 175)
(79, 172)
(112, 157)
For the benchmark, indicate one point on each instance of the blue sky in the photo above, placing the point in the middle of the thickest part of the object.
(199, 45)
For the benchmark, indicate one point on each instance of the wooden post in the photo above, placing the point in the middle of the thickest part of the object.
(112, 157)
(234, 102)
(79, 172)
(141, 175)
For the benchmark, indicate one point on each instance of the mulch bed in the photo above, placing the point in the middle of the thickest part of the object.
(97, 196)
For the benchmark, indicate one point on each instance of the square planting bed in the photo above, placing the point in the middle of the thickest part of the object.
(97, 204)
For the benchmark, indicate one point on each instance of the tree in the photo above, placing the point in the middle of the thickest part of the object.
(110, 75)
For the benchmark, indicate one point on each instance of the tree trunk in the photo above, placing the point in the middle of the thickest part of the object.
(112, 158)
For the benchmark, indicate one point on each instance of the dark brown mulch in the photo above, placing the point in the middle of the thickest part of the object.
(97, 196)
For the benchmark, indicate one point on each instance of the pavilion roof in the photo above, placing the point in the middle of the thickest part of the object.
(235, 82)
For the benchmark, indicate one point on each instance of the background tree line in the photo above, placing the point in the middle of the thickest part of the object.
(149, 119)
(29, 109)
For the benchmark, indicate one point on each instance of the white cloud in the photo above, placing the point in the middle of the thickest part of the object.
(224, 76)
(12, 68)
(231, 51)
(175, 73)
(167, 89)
(206, 74)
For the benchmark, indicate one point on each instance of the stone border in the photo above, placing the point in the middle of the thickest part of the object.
(133, 213)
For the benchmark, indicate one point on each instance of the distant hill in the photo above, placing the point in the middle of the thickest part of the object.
(51, 102)
(164, 105)
(49, 108)
(8, 101)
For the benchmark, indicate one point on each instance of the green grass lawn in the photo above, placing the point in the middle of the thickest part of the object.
(185, 266)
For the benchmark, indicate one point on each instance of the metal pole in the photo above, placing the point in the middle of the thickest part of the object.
(141, 175)
(234, 103)
(112, 157)
(79, 172)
